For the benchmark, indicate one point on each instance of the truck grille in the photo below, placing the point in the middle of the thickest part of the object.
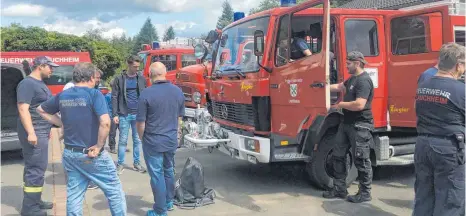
(234, 112)
(187, 92)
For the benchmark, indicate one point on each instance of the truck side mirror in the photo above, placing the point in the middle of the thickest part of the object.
(26, 67)
(211, 37)
(200, 51)
(258, 43)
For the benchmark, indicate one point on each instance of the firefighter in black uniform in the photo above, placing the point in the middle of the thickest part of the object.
(439, 153)
(354, 130)
(33, 134)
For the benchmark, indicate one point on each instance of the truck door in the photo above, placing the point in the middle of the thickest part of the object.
(413, 40)
(365, 33)
(299, 87)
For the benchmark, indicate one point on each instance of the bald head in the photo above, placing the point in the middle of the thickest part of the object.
(157, 70)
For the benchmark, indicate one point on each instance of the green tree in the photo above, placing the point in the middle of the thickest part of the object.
(146, 35)
(105, 54)
(169, 34)
(227, 15)
(105, 57)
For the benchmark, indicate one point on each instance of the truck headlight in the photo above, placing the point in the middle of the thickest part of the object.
(197, 97)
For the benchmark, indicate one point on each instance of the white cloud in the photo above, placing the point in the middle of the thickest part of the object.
(26, 10)
(71, 26)
(215, 9)
(178, 26)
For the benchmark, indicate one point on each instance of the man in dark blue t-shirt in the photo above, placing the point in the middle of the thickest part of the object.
(160, 108)
(429, 73)
(33, 134)
(439, 152)
(86, 123)
(126, 90)
(299, 47)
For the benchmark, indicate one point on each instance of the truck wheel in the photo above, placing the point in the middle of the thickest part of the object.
(320, 165)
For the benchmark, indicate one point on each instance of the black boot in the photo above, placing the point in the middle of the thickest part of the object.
(45, 205)
(333, 193)
(31, 205)
(360, 197)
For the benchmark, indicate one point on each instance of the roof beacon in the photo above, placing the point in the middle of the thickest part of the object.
(238, 16)
(155, 45)
(287, 3)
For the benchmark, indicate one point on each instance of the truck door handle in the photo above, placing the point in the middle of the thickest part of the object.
(318, 85)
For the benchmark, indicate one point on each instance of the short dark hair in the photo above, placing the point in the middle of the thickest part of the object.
(450, 55)
(83, 72)
(133, 58)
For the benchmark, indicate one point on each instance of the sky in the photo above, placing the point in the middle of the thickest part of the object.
(190, 18)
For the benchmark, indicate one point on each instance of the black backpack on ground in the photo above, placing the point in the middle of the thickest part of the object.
(190, 191)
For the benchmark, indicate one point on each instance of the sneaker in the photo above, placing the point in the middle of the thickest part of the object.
(330, 194)
(120, 169)
(127, 150)
(139, 168)
(113, 151)
(170, 206)
(153, 213)
(92, 186)
(360, 197)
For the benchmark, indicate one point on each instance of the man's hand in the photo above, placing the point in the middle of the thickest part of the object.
(335, 106)
(116, 120)
(93, 151)
(61, 133)
(32, 138)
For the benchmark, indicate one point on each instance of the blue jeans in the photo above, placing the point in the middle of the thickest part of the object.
(81, 169)
(162, 178)
(125, 123)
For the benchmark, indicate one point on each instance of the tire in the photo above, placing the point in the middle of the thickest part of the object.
(318, 168)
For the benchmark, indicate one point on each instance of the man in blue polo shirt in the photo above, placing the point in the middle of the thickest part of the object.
(86, 125)
(429, 73)
(160, 107)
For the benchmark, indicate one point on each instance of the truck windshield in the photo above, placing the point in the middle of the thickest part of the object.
(60, 75)
(238, 52)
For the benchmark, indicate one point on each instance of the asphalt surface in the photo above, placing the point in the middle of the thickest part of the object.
(241, 188)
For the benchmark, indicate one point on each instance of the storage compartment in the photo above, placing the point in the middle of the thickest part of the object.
(11, 76)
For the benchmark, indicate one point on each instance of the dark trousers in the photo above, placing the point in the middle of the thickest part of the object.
(112, 135)
(439, 186)
(35, 165)
(359, 139)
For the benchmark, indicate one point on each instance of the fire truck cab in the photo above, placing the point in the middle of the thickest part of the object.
(278, 110)
(173, 56)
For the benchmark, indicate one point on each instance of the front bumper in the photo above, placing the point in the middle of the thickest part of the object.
(10, 143)
(235, 146)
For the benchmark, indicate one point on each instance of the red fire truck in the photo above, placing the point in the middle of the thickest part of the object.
(61, 75)
(191, 81)
(173, 56)
(278, 109)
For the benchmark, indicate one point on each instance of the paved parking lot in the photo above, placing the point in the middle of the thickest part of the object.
(242, 189)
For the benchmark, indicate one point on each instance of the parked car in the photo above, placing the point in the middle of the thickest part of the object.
(11, 75)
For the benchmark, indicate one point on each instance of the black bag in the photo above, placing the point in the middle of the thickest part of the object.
(190, 191)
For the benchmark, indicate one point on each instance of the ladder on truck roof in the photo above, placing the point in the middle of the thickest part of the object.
(456, 7)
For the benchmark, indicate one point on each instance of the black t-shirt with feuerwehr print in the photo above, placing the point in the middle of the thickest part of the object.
(440, 106)
(359, 86)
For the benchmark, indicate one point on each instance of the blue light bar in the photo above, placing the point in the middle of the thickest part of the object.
(287, 3)
(238, 16)
(155, 45)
